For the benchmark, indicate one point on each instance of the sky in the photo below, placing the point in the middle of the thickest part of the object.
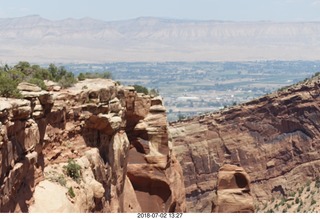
(111, 10)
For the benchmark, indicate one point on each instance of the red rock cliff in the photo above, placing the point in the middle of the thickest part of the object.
(276, 139)
(117, 137)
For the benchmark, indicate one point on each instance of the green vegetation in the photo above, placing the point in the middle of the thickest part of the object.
(308, 182)
(288, 205)
(305, 197)
(293, 194)
(299, 207)
(37, 81)
(61, 180)
(282, 202)
(56, 177)
(270, 211)
(73, 170)
(71, 192)
(300, 190)
(142, 89)
(300, 82)
(317, 184)
(8, 86)
(83, 76)
(308, 188)
(10, 77)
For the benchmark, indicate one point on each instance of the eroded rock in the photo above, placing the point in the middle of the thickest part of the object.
(233, 191)
(94, 124)
(274, 138)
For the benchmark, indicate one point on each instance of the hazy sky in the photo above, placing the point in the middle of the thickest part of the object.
(237, 10)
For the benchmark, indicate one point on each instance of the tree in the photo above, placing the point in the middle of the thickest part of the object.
(81, 77)
(107, 75)
(67, 80)
(24, 67)
(8, 86)
(53, 70)
(40, 83)
(141, 89)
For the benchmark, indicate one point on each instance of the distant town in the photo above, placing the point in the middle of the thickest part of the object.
(194, 88)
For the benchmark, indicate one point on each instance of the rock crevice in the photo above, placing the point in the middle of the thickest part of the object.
(117, 136)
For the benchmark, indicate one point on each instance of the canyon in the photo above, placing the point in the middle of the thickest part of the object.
(130, 159)
(274, 138)
(112, 138)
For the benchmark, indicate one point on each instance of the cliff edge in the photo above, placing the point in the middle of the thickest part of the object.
(95, 147)
(275, 138)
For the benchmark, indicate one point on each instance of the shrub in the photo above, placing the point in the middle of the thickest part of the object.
(8, 86)
(61, 180)
(105, 75)
(38, 82)
(81, 77)
(299, 207)
(308, 188)
(71, 192)
(73, 170)
(300, 190)
(141, 89)
(297, 200)
(292, 194)
(313, 201)
(67, 81)
(317, 184)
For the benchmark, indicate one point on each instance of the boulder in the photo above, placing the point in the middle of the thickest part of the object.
(25, 86)
(233, 191)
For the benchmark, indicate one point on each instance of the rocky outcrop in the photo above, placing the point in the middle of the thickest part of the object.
(274, 138)
(117, 136)
(60, 193)
(153, 171)
(233, 191)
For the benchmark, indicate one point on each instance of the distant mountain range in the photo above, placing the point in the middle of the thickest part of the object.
(36, 39)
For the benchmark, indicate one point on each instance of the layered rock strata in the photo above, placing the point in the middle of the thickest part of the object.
(118, 137)
(274, 138)
(233, 193)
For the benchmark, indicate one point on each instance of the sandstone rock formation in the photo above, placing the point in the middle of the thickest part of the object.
(118, 137)
(233, 191)
(274, 138)
(53, 194)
